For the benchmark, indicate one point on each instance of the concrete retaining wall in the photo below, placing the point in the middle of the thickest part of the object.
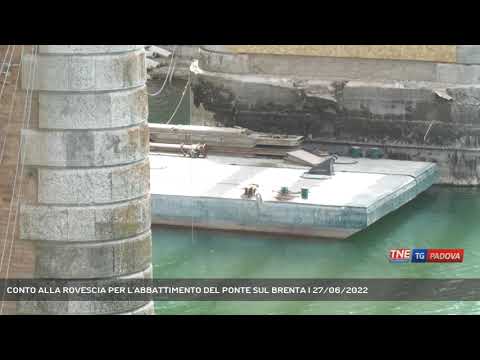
(368, 101)
(87, 206)
(342, 68)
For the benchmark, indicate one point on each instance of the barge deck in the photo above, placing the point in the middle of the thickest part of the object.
(207, 193)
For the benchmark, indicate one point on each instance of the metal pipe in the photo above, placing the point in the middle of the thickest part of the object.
(194, 150)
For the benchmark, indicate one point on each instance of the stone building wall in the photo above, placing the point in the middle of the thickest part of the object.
(413, 109)
(438, 53)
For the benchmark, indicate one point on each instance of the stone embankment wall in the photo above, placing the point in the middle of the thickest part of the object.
(413, 109)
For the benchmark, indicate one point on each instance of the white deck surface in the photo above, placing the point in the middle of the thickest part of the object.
(352, 185)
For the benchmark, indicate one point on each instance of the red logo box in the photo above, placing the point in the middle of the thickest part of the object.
(445, 255)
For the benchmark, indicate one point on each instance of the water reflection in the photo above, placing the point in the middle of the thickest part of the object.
(162, 107)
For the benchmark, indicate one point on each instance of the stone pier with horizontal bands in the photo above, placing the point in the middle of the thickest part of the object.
(86, 211)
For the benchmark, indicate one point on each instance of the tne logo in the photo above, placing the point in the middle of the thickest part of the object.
(427, 255)
(399, 255)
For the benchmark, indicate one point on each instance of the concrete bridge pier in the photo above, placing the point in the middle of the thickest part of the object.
(86, 205)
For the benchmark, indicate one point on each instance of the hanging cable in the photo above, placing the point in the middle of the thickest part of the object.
(172, 72)
(428, 131)
(167, 75)
(181, 100)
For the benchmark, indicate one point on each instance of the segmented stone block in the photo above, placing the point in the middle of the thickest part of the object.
(93, 186)
(86, 148)
(91, 307)
(93, 259)
(85, 73)
(84, 223)
(86, 49)
(72, 111)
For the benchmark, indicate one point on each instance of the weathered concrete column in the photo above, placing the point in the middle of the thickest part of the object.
(86, 209)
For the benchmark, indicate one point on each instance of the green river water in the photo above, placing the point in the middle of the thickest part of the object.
(442, 217)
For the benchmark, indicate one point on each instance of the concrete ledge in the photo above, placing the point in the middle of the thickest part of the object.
(93, 186)
(455, 166)
(92, 260)
(87, 307)
(182, 52)
(85, 224)
(338, 68)
(87, 49)
(86, 73)
(86, 148)
(316, 66)
(93, 111)
(468, 54)
(458, 74)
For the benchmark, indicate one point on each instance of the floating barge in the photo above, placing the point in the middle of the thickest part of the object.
(208, 193)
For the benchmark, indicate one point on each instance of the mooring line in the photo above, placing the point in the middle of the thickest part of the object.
(181, 100)
(428, 130)
(167, 75)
